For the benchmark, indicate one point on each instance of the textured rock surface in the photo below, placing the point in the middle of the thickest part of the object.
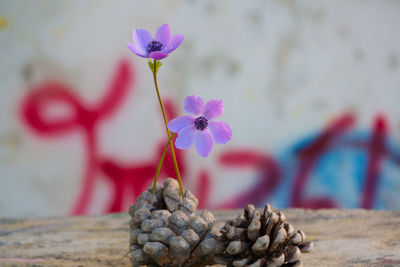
(341, 238)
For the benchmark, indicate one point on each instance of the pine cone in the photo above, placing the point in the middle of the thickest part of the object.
(165, 231)
(262, 239)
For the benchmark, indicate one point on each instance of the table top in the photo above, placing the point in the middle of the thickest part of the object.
(341, 238)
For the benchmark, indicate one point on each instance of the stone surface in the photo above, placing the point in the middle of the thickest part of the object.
(341, 238)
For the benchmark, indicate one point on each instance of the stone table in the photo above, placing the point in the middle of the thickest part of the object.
(341, 238)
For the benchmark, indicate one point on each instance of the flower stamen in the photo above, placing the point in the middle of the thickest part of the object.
(154, 46)
(201, 123)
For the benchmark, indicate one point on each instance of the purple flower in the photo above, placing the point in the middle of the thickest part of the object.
(200, 129)
(157, 48)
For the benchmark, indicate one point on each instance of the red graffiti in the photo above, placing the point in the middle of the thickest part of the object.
(203, 189)
(269, 175)
(133, 177)
(308, 158)
(128, 180)
(375, 147)
(377, 150)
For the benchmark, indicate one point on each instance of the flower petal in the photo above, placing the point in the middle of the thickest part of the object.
(179, 123)
(194, 105)
(204, 143)
(137, 51)
(214, 108)
(175, 41)
(185, 138)
(163, 35)
(141, 38)
(220, 131)
(157, 55)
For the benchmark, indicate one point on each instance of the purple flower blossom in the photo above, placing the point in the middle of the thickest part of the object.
(157, 48)
(200, 129)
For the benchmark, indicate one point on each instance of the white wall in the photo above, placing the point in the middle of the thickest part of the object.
(284, 69)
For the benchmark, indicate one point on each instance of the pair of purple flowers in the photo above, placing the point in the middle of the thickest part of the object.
(199, 128)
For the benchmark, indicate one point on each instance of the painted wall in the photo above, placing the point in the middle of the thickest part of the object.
(311, 91)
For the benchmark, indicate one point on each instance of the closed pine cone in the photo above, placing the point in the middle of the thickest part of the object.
(165, 231)
(262, 239)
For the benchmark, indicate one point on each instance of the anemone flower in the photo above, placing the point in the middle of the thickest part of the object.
(200, 128)
(157, 48)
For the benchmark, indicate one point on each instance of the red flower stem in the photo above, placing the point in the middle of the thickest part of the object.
(168, 133)
(161, 162)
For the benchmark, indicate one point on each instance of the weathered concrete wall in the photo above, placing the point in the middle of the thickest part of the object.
(286, 70)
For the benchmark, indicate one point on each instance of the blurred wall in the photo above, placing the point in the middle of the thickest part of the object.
(311, 91)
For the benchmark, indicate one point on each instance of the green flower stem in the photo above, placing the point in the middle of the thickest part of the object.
(155, 70)
(161, 162)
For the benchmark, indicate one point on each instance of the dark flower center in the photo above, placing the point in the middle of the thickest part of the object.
(201, 123)
(154, 46)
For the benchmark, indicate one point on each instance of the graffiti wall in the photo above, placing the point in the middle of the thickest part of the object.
(311, 92)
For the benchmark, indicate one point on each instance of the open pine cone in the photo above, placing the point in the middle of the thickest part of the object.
(166, 231)
(262, 239)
